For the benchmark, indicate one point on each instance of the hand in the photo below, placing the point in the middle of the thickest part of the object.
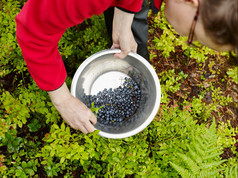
(72, 110)
(122, 35)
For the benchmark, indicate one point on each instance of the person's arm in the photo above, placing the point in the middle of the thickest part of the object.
(41, 24)
(122, 35)
(73, 111)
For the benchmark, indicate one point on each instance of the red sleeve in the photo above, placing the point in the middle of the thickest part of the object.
(130, 5)
(41, 24)
(158, 3)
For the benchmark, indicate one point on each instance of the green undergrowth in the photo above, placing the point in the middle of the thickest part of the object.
(185, 139)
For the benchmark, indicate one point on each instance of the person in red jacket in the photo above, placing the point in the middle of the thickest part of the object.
(41, 23)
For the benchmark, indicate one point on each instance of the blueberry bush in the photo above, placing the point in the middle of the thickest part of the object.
(194, 133)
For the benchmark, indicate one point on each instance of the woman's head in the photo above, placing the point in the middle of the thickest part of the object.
(220, 20)
(216, 26)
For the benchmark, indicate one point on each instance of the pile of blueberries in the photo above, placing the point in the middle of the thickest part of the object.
(119, 104)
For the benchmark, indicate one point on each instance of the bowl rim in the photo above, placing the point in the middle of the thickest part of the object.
(157, 85)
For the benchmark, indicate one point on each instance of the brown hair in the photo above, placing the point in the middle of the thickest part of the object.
(220, 20)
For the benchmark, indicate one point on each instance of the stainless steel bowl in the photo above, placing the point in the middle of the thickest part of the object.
(102, 70)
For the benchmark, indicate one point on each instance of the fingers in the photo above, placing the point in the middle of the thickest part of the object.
(93, 119)
(82, 129)
(84, 118)
(125, 50)
(87, 125)
(134, 49)
(73, 111)
(90, 128)
(77, 115)
(121, 55)
(115, 46)
(124, 53)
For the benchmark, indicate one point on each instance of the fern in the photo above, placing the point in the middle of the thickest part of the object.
(232, 172)
(202, 157)
(191, 165)
(182, 171)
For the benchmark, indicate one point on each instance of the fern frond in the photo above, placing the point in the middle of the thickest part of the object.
(190, 163)
(212, 149)
(210, 135)
(212, 155)
(202, 157)
(212, 128)
(182, 171)
(212, 164)
(236, 171)
(199, 147)
(194, 155)
(232, 172)
(208, 173)
(212, 142)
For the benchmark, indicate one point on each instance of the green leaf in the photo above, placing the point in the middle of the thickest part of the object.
(24, 165)
(30, 172)
(62, 159)
(10, 148)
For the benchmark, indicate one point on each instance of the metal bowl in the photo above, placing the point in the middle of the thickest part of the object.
(102, 70)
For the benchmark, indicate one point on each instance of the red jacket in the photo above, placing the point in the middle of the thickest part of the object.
(41, 24)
